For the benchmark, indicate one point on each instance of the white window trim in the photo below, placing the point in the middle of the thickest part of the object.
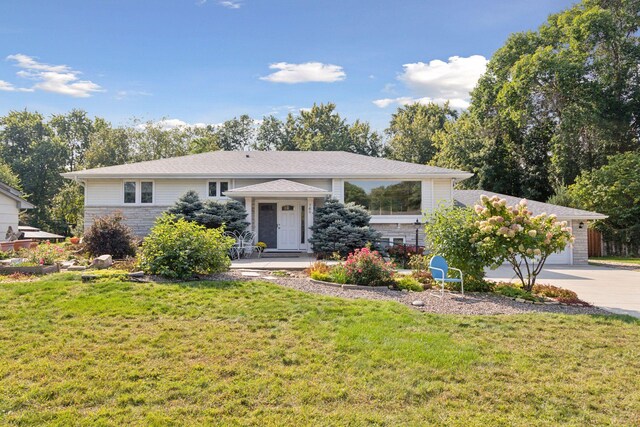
(138, 198)
(218, 195)
(391, 238)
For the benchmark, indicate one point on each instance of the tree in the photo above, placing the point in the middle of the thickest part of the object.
(272, 135)
(511, 233)
(187, 206)
(67, 207)
(8, 177)
(613, 190)
(558, 101)
(231, 215)
(74, 129)
(236, 134)
(37, 156)
(109, 146)
(412, 131)
(339, 228)
(449, 231)
(203, 140)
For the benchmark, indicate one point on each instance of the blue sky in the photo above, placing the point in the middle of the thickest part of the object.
(203, 61)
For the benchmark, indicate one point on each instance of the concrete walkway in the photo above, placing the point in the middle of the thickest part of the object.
(613, 289)
(266, 263)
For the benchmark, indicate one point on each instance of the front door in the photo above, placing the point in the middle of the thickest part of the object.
(287, 225)
(268, 224)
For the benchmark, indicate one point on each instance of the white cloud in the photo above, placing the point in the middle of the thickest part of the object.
(168, 124)
(125, 94)
(305, 72)
(439, 81)
(53, 78)
(8, 87)
(230, 4)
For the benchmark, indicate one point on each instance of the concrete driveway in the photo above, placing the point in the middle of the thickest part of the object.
(615, 290)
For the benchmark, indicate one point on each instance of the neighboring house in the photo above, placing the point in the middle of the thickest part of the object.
(577, 219)
(11, 202)
(280, 190)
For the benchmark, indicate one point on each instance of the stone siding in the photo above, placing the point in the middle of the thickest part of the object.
(408, 231)
(139, 218)
(580, 244)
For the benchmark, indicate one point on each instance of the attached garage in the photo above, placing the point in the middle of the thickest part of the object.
(577, 219)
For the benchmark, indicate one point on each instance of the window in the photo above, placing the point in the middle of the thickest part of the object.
(213, 189)
(396, 241)
(218, 188)
(302, 224)
(146, 192)
(385, 197)
(288, 208)
(224, 186)
(130, 192)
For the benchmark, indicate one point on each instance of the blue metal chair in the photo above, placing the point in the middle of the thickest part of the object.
(439, 269)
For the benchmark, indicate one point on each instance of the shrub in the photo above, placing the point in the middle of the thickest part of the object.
(317, 266)
(512, 291)
(45, 254)
(339, 274)
(366, 267)
(449, 232)
(513, 234)
(401, 254)
(341, 228)
(324, 277)
(550, 291)
(180, 249)
(409, 283)
(419, 265)
(109, 235)
(211, 214)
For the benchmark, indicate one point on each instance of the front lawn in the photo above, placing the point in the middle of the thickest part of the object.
(621, 260)
(253, 353)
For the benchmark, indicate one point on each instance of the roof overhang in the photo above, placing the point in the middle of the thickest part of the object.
(80, 175)
(276, 194)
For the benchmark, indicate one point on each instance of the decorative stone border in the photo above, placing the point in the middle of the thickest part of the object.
(347, 286)
(36, 269)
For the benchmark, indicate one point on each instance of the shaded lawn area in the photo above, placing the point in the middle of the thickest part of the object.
(114, 353)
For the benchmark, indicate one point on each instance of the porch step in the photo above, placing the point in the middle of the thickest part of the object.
(281, 254)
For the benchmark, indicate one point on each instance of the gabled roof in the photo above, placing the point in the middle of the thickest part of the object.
(278, 187)
(472, 197)
(271, 164)
(14, 194)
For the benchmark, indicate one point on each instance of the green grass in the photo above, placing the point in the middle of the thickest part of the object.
(625, 260)
(119, 353)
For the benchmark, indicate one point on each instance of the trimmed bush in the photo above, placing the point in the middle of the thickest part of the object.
(108, 235)
(341, 229)
(551, 291)
(367, 268)
(512, 291)
(409, 283)
(210, 213)
(181, 249)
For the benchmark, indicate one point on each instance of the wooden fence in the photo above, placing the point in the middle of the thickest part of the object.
(595, 243)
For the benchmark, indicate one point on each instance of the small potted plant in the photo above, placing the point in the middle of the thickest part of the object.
(260, 247)
(74, 240)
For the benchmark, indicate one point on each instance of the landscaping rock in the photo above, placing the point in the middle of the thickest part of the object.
(520, 300)
(67, 264)
(76, 268)
(250, 274)
(88, 278)
(136, 274)
(418, 303)
(552, 303)
(103, 261)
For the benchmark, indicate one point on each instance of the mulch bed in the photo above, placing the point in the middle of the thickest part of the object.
(476, 303)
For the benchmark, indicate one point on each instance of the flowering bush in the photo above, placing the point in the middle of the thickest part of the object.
(45, 254)
(366, 267)
(513, 234)
(401, 254)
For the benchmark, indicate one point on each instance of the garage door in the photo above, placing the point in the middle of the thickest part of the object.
(559, 258)
(562, 257)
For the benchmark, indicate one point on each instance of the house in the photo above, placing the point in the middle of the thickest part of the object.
(11, 202)
(577, 219)
(279, 189)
